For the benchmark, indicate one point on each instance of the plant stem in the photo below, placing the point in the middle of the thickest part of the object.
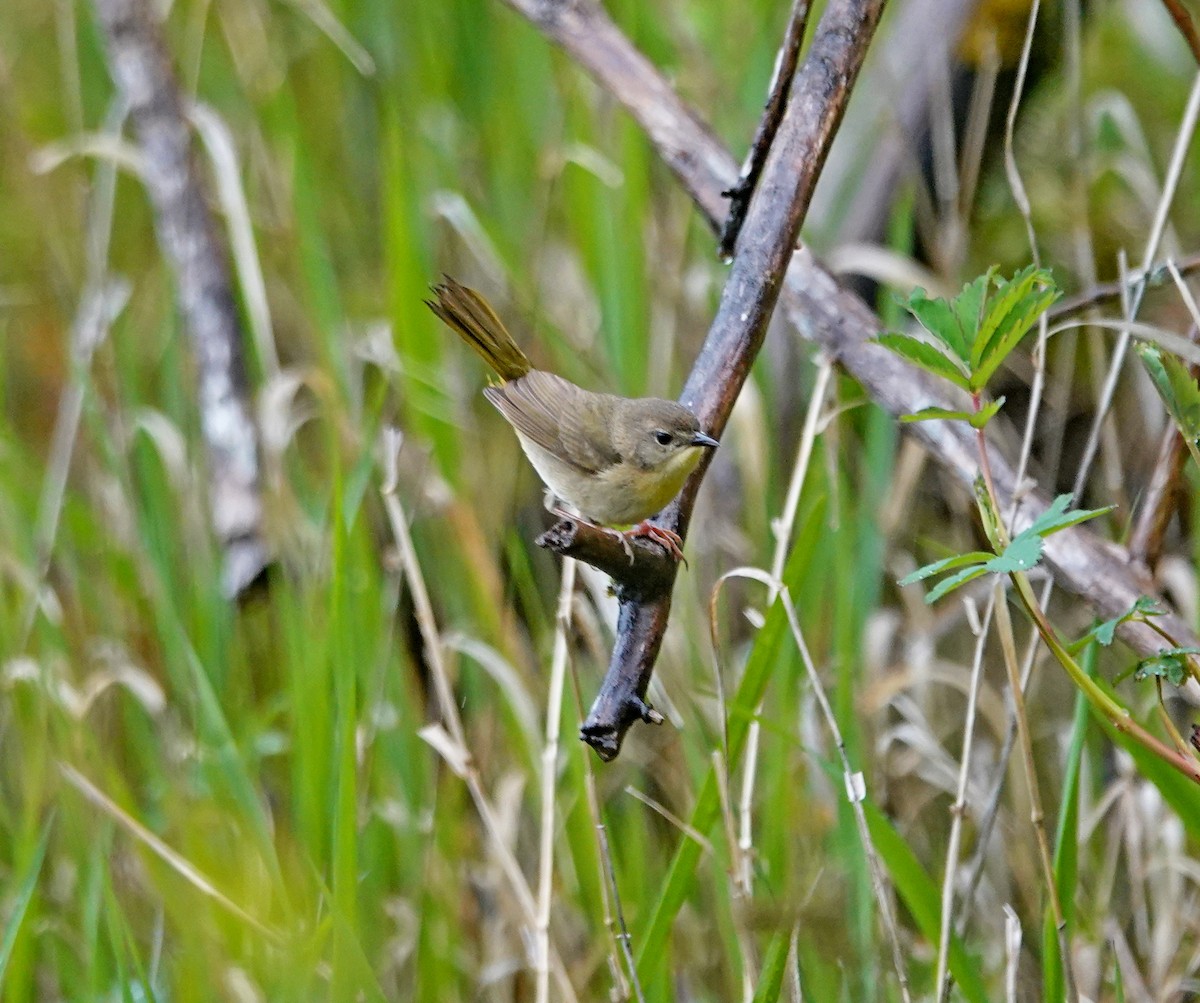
(1036, 814)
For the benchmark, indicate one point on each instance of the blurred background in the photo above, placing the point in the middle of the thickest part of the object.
(204, 799)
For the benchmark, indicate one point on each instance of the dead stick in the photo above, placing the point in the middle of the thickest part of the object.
(187, 235)
(768, 126)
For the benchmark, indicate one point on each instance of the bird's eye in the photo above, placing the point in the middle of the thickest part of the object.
(662, 438)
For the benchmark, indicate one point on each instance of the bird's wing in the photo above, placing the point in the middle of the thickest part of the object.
(562, 418)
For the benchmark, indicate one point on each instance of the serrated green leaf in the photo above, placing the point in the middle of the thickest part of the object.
(1007, 318)
(1104, 633)
(945, 564)
(939, 319)
(1021, 554)
(1179, 391)
(968, 306)
(948, 585)
(1170, 664)
(929, 357)
(986, 413)
(1057, 517)
(1146, 606)
(1003, 345)
(936, 414)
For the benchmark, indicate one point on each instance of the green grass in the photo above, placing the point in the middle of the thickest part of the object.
(202, 800)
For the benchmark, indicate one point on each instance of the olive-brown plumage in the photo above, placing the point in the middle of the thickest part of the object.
(615, 460)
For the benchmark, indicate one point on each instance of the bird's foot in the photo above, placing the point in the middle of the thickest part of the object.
(669, 539)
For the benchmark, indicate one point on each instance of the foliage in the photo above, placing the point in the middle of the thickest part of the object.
(1022, 553)
(970, 336)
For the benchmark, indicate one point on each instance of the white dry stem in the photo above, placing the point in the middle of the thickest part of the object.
(783, 527)
(1008, 647)
(554, 699)
(1012, 952)
(1185, 293)
(856, 793)
(1183, 140)
(452, 744)
(959, 809)
(659, 808)
(103, 298)
(222, 155)
(1021, 198)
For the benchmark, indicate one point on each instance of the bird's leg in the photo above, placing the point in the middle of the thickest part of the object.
(668, 538)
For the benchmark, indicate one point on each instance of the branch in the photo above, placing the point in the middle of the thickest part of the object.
(768, 126)
(765, 247)
(825, 314)
(141, 69)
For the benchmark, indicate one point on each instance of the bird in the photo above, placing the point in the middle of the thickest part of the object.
(616, 461)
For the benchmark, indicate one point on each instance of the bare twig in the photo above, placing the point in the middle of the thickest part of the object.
(785, 187)
(768, 126)
(187, 234)
(1106, 292)
(449, 737)
(103, 298)
(855, 791)
(554, 698)
(1037, 816)
(959, 809)
(783, 544)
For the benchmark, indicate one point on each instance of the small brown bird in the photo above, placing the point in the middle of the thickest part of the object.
(615, 460)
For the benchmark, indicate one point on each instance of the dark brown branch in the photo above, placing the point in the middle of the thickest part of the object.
(838, 321)
(768, 238)
(187, 235)
(641, 572)
(777, 97)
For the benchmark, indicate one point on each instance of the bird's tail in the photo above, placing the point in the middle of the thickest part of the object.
(477, 324)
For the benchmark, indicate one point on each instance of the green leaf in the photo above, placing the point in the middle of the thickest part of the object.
(968, 306)
(1179, 791)
(946, 564)
(948, 585)
(937, 414)
(1180, 393)
(1103, 633)
(21, 897)
(1169, 664)
(1022, 554)
(1009, 336)
(927, 356)
(986, 413)
(1007, 318)
(1057, 517)
(770, 980)
(923, 899)
(939, 319)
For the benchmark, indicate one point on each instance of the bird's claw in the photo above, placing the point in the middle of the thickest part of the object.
(669, 539)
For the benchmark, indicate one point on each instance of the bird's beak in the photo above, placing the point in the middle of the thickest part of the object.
(700, 439)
